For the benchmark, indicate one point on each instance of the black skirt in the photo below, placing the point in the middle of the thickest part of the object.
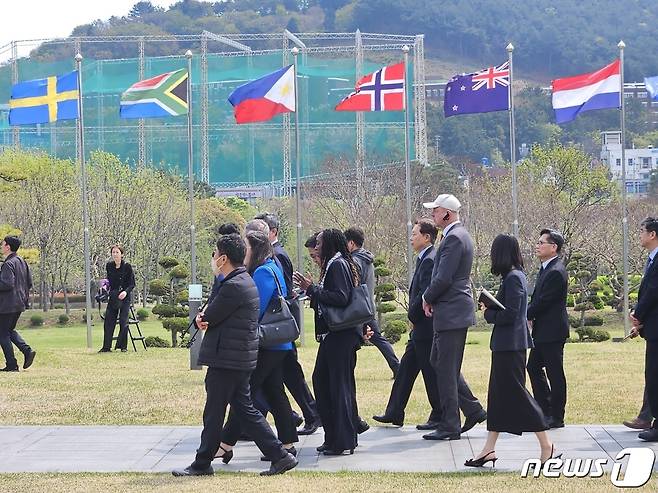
(510, 407)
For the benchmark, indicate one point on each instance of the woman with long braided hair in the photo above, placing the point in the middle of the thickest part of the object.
(333, 376)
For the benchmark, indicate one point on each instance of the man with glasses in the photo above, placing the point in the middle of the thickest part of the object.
(548, 320)
(645, 321)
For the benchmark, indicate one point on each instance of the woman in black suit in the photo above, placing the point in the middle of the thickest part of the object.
(122, 281)
(333, 376)
(510, 407)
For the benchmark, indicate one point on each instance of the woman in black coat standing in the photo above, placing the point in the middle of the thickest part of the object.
(122, 281)
(333, 376)
(510, 407)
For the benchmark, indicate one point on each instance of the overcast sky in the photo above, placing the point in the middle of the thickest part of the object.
(38, 19)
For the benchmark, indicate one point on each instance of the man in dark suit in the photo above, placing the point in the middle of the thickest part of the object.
(645, 321)
(293, 374)
(448, 299)
(547, 316)
(416, 357)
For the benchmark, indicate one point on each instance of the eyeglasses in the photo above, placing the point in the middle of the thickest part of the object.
(542, 242)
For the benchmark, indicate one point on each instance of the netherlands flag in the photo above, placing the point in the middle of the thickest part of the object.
(263, 98)
(594, 91)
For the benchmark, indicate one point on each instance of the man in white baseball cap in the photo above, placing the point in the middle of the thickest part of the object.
(448, 300)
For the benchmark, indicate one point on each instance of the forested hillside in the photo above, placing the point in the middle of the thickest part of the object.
(553, 38)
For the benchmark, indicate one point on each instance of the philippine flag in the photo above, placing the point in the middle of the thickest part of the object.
(262, 99)
(586, 92)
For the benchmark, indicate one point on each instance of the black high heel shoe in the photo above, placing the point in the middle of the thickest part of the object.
(482, 460)
(226, 456)
(337, 452)
(558, 456)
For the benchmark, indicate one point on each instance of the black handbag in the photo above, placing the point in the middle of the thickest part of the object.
(277, 326)
(358, 311)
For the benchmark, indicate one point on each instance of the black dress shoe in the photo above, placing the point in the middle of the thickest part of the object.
(385, 418)
(297, 419)
(650, 435)
(362, 426)
(555, 423)
(103, 350)
(6, 368)
(282, 465)
(321, 448)
(471, 421)
(430, 425)
(442, 435)
(190, 471)
(292, 450)
(309, 428)
(29, 359)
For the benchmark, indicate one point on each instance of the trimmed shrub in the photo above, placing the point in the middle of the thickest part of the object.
(598, 303)
(382, 271)
(142, 314)
(387, 297)
(166, 311)
(394, 329)
(570, 301)
(389, 317)
(385, 307)
(179, 272)
(63, 319)
(593, 320)
(177, 324)
(36, 320)
(587, 334)
(156, 341)
(384, 288)
(182, 297)
(168, 262)
(574, 321)
(159, 287)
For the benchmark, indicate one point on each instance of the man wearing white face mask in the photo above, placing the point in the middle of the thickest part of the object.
(230, 350)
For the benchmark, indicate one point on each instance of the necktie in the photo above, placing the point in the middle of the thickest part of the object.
(646, 267)
(418, 260)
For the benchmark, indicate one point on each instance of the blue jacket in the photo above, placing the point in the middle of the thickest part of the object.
(267, 289)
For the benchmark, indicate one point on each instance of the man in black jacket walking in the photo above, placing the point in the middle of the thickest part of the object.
(547, 316)
(15, 285)
(416, 357)
(230, 350)
(364, 260)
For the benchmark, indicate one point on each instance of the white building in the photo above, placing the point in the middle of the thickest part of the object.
(639, 162)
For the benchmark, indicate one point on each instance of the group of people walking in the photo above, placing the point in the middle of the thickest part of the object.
(252, 268)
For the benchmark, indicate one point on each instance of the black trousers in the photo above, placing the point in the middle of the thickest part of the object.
(447, 356)
(110, 322)
(553, 398)
(510, 407)
(9, 336)
(224, 387)
(381, 343)
(268, 379)
(335, 391)
(416, 359)
(293, 377)
(651, 378)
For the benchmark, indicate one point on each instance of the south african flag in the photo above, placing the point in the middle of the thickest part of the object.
(159, 96)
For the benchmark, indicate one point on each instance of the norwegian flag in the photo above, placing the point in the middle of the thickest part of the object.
(380, 91)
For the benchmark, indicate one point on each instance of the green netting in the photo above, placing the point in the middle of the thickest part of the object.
(237, 153)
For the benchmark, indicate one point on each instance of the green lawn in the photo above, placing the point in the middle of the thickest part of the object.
(303, 482)
(69, 384)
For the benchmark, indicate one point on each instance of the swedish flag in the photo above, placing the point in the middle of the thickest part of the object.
(44, 100)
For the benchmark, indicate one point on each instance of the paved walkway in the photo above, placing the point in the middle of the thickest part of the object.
(162, 448)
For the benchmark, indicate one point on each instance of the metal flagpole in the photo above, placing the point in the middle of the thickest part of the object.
(85, 205)
(194, 291)
(298, 209)
(190, 167)
(624, 213)
(512, 144)
(407, 167)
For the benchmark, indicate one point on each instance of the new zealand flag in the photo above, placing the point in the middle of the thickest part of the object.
(480, 92)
